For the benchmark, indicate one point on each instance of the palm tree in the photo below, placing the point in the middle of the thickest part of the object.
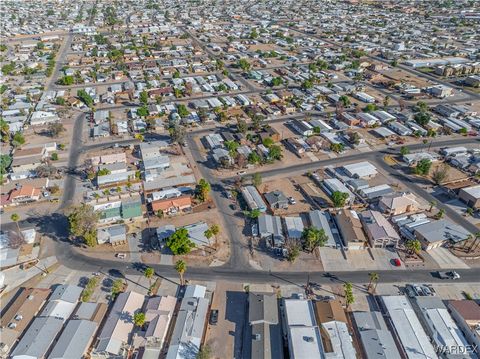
(432, 204)
(148, 273)
(181, 268)
(349, 297)
(15, 218)
(413, 246)
(139, 319)
(373, 279)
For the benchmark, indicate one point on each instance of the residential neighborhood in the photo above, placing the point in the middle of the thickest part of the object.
(251, 179)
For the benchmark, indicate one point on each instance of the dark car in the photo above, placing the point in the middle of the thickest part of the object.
(213, 316)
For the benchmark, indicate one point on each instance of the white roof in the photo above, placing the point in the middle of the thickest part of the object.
(473, 191)
(360, 169)
(340, 339)
(305, 342)
(412, 336)
(299, 312)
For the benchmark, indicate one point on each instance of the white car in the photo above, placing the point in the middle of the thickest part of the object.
(291, 200)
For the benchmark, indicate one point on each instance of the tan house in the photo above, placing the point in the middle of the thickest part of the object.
(172, 206)
(398, 203)
(351, 229)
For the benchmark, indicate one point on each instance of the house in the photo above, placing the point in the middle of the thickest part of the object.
(189, 327)
(196, 233)
(379, 231)
(321, 220)
(263, 335)
(26, 193)
(466, 314)
(116, 234)
(158, 316)
(336, 339)
(172, 206)
(253, 198)
(332, 185)
(439, 324)
(294, 227)
(407, 327)
(302, 127)
(437, 233)
(276, 200)
(38, 338)
(113, 341)
(363, 170)
(75, 340)
(270, 229)
(398, 203)
(471, 196)
(377, 341)
(351, 229)
(302, 333)
(62, 302)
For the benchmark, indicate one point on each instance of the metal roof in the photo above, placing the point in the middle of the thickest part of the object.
(74, 341)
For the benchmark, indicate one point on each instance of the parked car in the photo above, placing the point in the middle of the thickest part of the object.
(121, 255)
(448, 275)
(397, 262)
(213, 317)
(291, 200)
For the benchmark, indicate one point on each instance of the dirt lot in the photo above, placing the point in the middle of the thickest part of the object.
(403, 76)
(286, 185)
(453, 174)
(267, 260)
(225, 338)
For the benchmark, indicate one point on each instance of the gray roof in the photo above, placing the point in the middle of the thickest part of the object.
(189, 327)
(442, 230)
(38, 338)
(320, 220)
(262, 308)
(270, 226)
(276, 197)
(67, 293)
(75, 340)
(377, 341)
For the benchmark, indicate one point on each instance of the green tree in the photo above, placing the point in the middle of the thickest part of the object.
(422, 118)
(257, 179)
(413, 246)
(423, 167)
(177, 133)
(181, 268)
(85, 97)
(243, 64)
(293, 250)
(205, 352)
(440, 174)
(268, 142)
(404, 151)
(275, 152)
(254, 213)
(345, 101)
(349, 297)
(142, 111)
(179, 242)
(339, 198)
(232, 147)
(18, 139)
(66, 80)
(139, 319)
(144, 98)
(60, 101)
(202, 190)
(253, 34)
(254, 158)
(373, 280)
(117, 288)
(242, 126)
(313, 238)
(15, 218)
(370, 108)
(55, 128)
(337, 147)
(54, 156)
(182, 110)
(149, 272)
(83, 223)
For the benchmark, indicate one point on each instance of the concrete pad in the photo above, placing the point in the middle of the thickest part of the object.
(445, 259)
(333, 260)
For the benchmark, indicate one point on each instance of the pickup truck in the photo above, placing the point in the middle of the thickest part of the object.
(448, 275)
